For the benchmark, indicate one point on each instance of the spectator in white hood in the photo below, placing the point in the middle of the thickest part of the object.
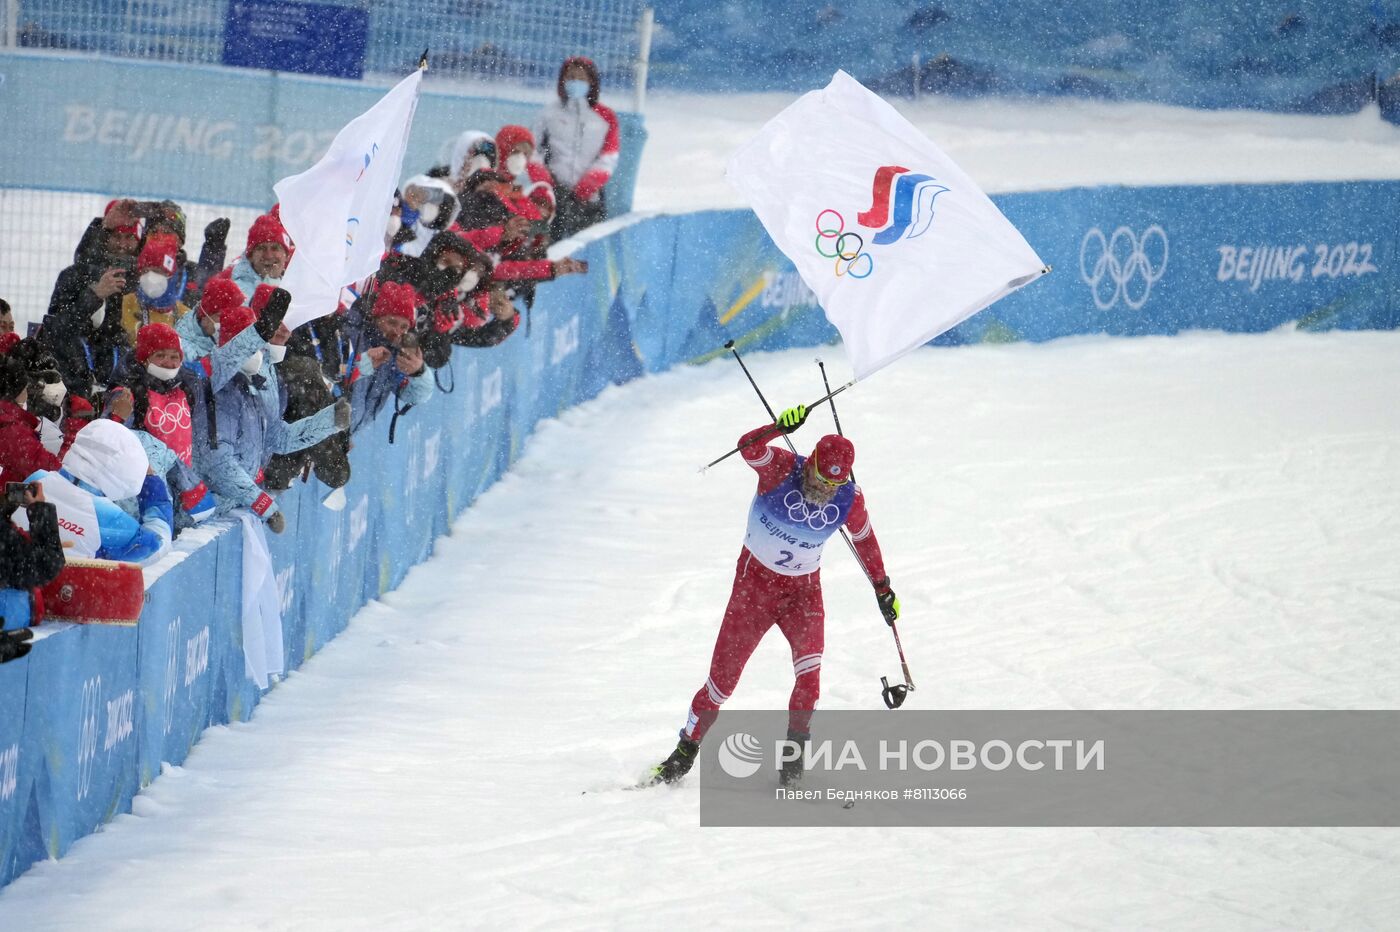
(427, 206)
(470, 151)
(106, 464)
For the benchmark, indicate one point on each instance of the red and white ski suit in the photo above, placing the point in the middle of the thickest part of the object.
(774, 587)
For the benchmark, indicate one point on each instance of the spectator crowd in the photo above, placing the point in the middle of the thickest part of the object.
(161, 389)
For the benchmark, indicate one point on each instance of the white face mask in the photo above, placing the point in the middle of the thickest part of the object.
(276, 353)
(253, 364)
(428, 212)
(98, 316)
(54, 392)
(475, 163)
(469, 282)
(395, 224)
(516, 164)
(160, 372)
(153, 284)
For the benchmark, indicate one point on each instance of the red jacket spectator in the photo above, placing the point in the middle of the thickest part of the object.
(21, 453)
(515, 154)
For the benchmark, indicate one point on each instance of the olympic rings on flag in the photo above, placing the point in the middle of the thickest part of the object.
(845, 256)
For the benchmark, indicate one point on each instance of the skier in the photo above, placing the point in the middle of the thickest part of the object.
(801, 502)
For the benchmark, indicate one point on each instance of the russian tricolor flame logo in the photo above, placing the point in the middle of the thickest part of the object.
(901, 207)
(901, 204)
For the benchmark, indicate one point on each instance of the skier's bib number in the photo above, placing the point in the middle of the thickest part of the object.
(779, 549)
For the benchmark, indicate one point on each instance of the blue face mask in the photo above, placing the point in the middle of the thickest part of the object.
(576, 89)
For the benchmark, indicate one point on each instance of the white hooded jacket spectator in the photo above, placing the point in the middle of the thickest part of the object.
(107, 464)
(469, 151)
(578, 136)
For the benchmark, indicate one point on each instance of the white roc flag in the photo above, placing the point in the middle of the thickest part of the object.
(896, 241)
(336, 210)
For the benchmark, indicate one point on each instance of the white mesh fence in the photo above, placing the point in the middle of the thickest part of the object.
(39, 230)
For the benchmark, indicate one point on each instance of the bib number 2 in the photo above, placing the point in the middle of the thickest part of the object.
(787, 560)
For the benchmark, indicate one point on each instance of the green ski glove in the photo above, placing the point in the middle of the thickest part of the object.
(792, 418)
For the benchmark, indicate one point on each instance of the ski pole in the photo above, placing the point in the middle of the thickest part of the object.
(834, 416)
(744, 446)
(766, 406)
(893, 695)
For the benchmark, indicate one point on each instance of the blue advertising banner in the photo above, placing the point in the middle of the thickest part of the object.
(83, 734)
(92, 713)
(176, 655)
(283, 35)
(1134, 261)
(16, 772)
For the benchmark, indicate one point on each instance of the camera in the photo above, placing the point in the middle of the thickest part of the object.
(148, 209)
(15, 491)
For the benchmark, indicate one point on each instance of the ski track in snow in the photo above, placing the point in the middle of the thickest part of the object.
(1205, 521)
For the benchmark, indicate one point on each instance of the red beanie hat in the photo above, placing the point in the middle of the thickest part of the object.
(267, 229)
(396, 300)
(220, 295)
(158, 254)
(260, 296)
(153, 338)
(234, 321)
(508, 138)
(80, 407)
(833, 457)
(7, 342)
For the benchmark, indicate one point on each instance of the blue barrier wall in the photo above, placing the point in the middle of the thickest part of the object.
(1305, 55)
(89, 716)
(215, 135)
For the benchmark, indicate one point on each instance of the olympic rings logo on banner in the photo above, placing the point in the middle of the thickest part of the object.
(172, 665)
(1122, 259)
(841, 250)
(87, 735)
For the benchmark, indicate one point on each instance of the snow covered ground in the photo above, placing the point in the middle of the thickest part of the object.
(1206, 521)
